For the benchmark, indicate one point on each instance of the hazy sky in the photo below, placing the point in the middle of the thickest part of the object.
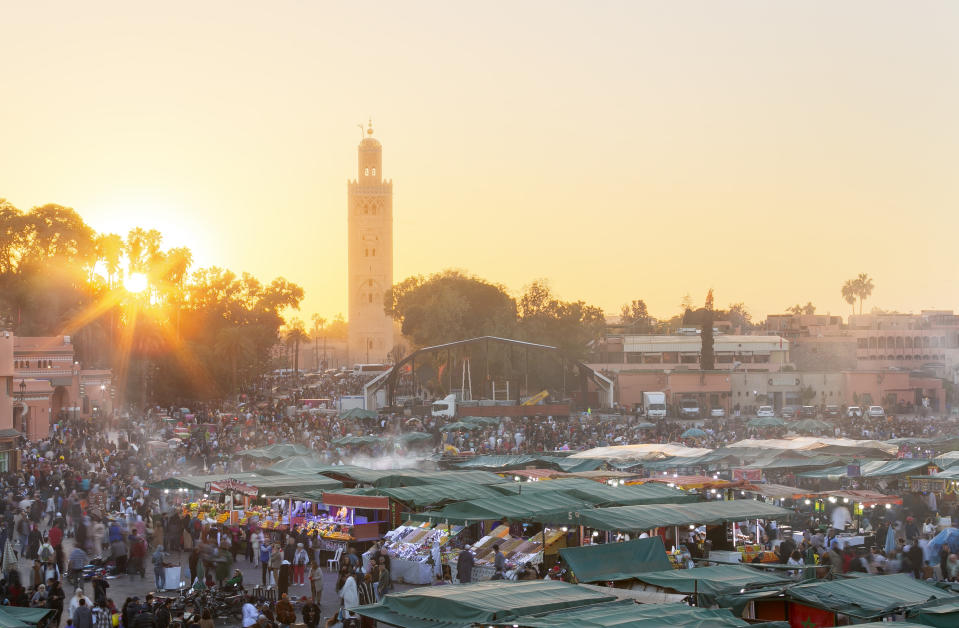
(769, 150)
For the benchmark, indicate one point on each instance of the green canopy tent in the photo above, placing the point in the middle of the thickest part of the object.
(693, 432)
(308, 465)
(549, 507)
(278, 451)
(547, 486)
(939, 616)
(708, 582)
(500, 463)
(412, 437)
(433, 495)
(616, 561)
(627, 614)
(22, 617)
(648, 493)
(478, 603)
(870, 469)
(868, 597)
(408, 477)
(647, 517)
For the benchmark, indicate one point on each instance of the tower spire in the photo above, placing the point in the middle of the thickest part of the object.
(369, 128)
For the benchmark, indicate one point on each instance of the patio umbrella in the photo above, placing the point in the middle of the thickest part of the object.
(693, 432)
(9, 557)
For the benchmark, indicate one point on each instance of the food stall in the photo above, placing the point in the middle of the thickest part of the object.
(342, 518)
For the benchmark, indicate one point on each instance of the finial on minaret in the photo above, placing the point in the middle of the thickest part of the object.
(369, 129)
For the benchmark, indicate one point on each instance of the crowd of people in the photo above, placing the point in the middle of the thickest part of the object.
(81, 498)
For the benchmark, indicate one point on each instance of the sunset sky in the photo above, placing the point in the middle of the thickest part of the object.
(768, 150)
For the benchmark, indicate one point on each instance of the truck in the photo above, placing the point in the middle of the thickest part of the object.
(451, 408)
(654, 405)
(348, 402)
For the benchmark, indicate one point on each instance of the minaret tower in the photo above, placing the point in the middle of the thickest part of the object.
(370, 255)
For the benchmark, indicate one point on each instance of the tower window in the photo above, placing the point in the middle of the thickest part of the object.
(374, 172)
(371, 297)
(371, 283)
(366, 252)
(374, 253)
(366, 172)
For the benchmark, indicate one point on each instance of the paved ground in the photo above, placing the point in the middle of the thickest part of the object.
(122, 587)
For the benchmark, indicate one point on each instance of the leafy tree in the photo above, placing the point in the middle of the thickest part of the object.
(569, 325)
(707, 361)
(235, 344)
(739, 316)
(449, 306)
(295, 336)
(636, 317)
(798, 310)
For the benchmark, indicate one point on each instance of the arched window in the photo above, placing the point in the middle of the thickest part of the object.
(374, 172)
(366, 172)
(872, 342)
(374, 253)
(366, 252)
(371, 297)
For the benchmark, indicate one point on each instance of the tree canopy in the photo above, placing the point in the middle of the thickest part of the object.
(191, 334)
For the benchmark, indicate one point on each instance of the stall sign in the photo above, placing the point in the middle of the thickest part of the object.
(231, 484)
(749, 475)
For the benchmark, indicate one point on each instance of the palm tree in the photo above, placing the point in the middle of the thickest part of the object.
(864, 288)
(849, 292)
(295, 335)
(318, 324)
(234, 343)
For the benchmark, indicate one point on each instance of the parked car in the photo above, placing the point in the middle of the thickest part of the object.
(876, 412)
(765, 411)
(789, 412)
(808, 412)
(854, 412)
(831, 412)
(689, 409)
(717, 413)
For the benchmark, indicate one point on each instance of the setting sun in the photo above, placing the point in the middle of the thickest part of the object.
(135, 283)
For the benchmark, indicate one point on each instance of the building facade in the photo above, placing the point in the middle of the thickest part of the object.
(684, 352)
(49, 383)
(370, 205)
(7, 387)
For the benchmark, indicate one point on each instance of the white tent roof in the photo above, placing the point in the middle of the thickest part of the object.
(809, 443)
(645, 451)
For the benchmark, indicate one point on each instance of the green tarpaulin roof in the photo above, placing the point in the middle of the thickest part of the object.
(277, 452)
(648, 493)
(437, 494)
(627, 614)
(766, 421)
(712, 580)
(647, 517)
(297, 464)
(481, 602)
(868, 597)
(419, 478)
(547, 507)
(21, 617)
(940, 616)
(272, 484)
(546, 486)
(870, 469)
(616, 561)
(507, 463)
